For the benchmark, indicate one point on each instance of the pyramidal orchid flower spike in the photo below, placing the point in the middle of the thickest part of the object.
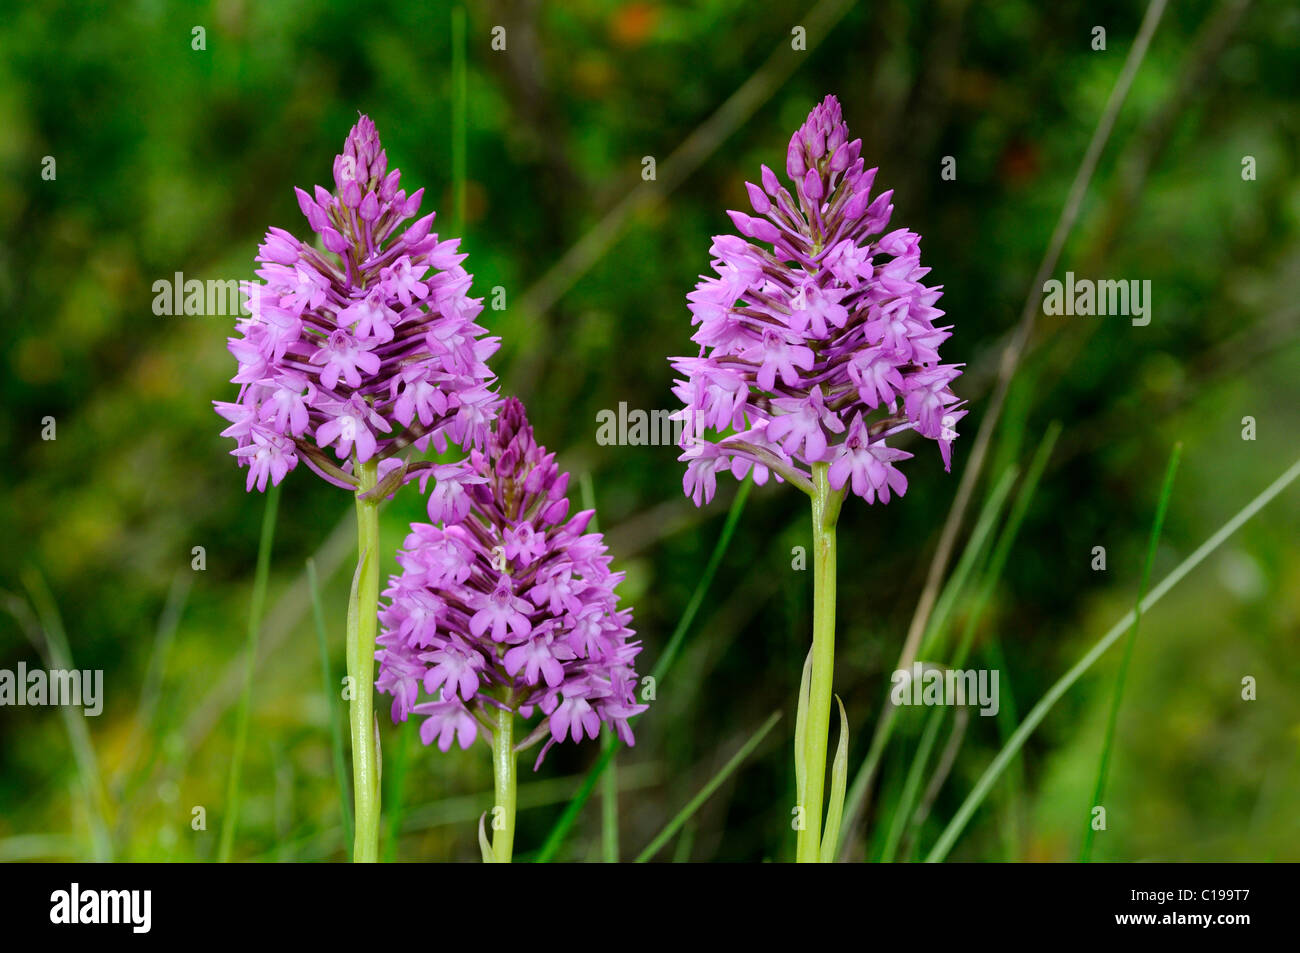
(821, 347)
(354, 349)
(818, 343)
(507, 611)
(352, 353)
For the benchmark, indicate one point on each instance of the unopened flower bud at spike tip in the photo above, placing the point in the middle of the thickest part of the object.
(822, 347)
(366, 347)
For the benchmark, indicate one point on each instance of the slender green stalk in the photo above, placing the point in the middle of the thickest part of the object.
(1102, 769)
(825, 511)
(363, 611)
(609, 847)
(503, 771)
(331, 706)
(1064, 683)
(231, 819)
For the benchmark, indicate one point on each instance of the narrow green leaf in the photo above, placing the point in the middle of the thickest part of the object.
(955, 588)
(839, 783)
(903, 810)
(682, 852)
(484, 845)
(231, 819)
(1066, 681)
(859, 790)
(1099, 790)
(706, 792)
(1001, 551)
(58, 654)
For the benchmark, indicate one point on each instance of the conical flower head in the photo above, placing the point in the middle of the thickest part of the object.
(354, 352)
(817, 336)
(509, 603)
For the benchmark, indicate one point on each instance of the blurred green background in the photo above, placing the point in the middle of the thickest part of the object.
(173, 159)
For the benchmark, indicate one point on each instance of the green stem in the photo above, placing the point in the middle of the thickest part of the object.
(825, 511)
(363, 614)
(609, 805)
(503, 770)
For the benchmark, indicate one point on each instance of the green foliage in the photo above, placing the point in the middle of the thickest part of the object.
(176, 160)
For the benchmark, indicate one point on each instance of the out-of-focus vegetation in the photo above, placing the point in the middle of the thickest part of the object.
(171, 159)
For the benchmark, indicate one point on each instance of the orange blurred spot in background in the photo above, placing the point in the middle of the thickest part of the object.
(633, 23)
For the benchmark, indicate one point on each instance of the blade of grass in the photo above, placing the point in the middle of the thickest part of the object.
(682, 852)
(856, 802)
(1007, 718)
(1016, 347)
(334, 711)
(151, 687)
(901, 816)
(1117, 695)
(59, 656)
(1063, 684)
(955, 589)
(947, 758)
(131, 770)
(570, 814)
(685, 814)
(984, 594)
(231, 819)
(674, 645)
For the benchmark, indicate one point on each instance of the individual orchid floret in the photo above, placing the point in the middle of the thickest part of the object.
(508, 605)
(352, 353)
(817, 335)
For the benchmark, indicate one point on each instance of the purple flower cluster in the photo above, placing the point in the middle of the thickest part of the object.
(821, 348)
(509, 604)
(365, 348)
